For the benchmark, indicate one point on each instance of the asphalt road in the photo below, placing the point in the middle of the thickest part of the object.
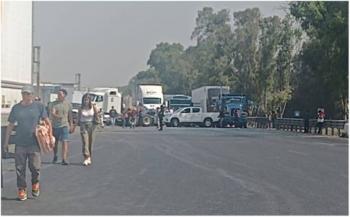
(193, 171)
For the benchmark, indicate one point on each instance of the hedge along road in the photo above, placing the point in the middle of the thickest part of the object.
(192, 171)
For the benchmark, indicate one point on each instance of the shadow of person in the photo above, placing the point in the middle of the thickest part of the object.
(7, 198)
(76, 164)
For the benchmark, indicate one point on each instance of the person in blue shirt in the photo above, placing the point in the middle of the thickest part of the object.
(26, 114)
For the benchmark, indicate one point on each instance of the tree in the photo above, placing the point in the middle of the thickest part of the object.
(213, 52)
(325, 55)
(269, 40)
(246, 51)
(168, 60)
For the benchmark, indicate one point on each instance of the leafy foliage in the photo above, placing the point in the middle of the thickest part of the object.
(299, 62)
(324, 59)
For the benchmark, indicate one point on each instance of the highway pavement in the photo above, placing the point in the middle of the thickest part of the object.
(191, 171)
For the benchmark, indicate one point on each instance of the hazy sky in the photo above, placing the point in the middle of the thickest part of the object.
(110, 42)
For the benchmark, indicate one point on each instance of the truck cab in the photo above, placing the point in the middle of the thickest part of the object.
(236, 110)
(150, 96)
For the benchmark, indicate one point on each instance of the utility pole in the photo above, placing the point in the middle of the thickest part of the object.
(78, 81)
(36, 67)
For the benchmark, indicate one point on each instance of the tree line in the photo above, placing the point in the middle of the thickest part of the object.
(297, 62)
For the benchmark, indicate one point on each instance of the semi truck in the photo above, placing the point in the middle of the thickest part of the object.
(103, 98)
(235, 110)
(149, 96)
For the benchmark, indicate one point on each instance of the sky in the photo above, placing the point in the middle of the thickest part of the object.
(110, 42)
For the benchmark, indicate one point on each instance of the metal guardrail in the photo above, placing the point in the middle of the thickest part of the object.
(330, 127)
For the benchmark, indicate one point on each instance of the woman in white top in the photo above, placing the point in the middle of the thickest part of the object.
(88, 119)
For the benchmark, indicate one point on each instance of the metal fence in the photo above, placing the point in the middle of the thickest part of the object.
(330, 127)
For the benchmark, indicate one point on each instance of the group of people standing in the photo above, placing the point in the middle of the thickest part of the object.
(27, 114)
(132, 117)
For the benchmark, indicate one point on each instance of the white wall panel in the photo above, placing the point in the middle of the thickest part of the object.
(16, 41)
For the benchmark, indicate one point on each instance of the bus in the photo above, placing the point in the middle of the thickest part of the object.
(177, 101)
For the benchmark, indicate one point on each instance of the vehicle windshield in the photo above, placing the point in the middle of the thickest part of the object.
(96, 98)
(151, 100)
(179, 103)
(234, 100)
(76, 105)
(178, 110)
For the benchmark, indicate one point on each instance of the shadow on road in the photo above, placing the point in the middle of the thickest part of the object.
(7, 198)
(59, 164)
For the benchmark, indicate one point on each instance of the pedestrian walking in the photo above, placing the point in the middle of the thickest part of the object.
(62, 123)
(269, 120)
(273, 118)
(320, 120)
(132, 117)
(161, 116)
(88, 118)
(221, 118)
(100, 114)
(236, 117)
(306, 122)
(139, 123)
(125, 118)
(27, 114)
(156, 118)
(113, 115)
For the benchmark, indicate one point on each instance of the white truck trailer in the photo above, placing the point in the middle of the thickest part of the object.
(16, 52)
(207, 97)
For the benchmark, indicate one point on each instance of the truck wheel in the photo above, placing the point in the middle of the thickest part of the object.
(208, 122)
(175, 122)
(146, 121)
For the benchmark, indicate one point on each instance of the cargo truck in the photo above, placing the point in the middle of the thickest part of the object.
(207, 97)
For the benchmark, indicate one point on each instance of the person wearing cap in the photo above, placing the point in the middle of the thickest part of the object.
(60, 112)
(27, 115)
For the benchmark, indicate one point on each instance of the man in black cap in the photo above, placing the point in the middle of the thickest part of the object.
(27, 115)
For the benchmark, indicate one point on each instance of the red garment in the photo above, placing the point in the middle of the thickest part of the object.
(44, 137)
